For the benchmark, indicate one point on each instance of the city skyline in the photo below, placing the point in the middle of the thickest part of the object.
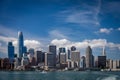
(62, 23)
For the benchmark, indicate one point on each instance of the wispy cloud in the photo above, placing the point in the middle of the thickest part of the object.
(6, 31)
(84, 15)
(56, 34)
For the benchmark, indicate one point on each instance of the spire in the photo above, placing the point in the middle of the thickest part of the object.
(103, 52)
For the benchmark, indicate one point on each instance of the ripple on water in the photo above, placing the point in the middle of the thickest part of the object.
(112, 77)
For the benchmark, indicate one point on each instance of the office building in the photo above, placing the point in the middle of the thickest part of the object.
(61, 51)
(68, 54)
(62, 58)
(49, 60)
(102, 62)
(39, 57)
(89, 56)
(10, 52)
(111, 64)
(115, 64)
(75, 59)
(20, 44)
(52, 50)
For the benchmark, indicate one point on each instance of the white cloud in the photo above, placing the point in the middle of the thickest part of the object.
(85, 14)
(33, 44)
(30, 44)
(105, 30)
(95, 43)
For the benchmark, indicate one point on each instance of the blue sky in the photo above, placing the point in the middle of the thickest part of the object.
(73, 22)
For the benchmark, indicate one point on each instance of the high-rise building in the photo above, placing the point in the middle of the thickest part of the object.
(118, 63)
(10, 52)
(69, 54)
(20, 44)
(62, 58)
(101, 62)
(52, 49)
(75, 59)
(115, 64)
(61, 50)
(111, 64)
(89, 55)
(49, 60)
(40, 57)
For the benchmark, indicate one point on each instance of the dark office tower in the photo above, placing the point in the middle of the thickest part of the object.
(68, 54)
(52, 49)
(62, 50)
(10, 52)
(73, 48)
(20, 44)
(102, 62)
(89, 57)
(40, 57)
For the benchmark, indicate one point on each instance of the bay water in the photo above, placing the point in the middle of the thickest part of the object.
(66, 75)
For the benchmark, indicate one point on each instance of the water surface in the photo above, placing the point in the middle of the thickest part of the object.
(68, 75)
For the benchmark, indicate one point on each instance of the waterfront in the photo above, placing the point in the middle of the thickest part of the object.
(67, 75)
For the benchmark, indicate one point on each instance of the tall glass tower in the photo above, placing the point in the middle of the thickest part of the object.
(10, 52)
(20, 44)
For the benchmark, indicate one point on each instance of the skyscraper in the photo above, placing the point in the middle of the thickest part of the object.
(75, 59)
(61, 50)
(49, 60)
(89, 60)
(69, 54)
(20, 44)
(10, 52)
(102, 62)
(52, 49)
